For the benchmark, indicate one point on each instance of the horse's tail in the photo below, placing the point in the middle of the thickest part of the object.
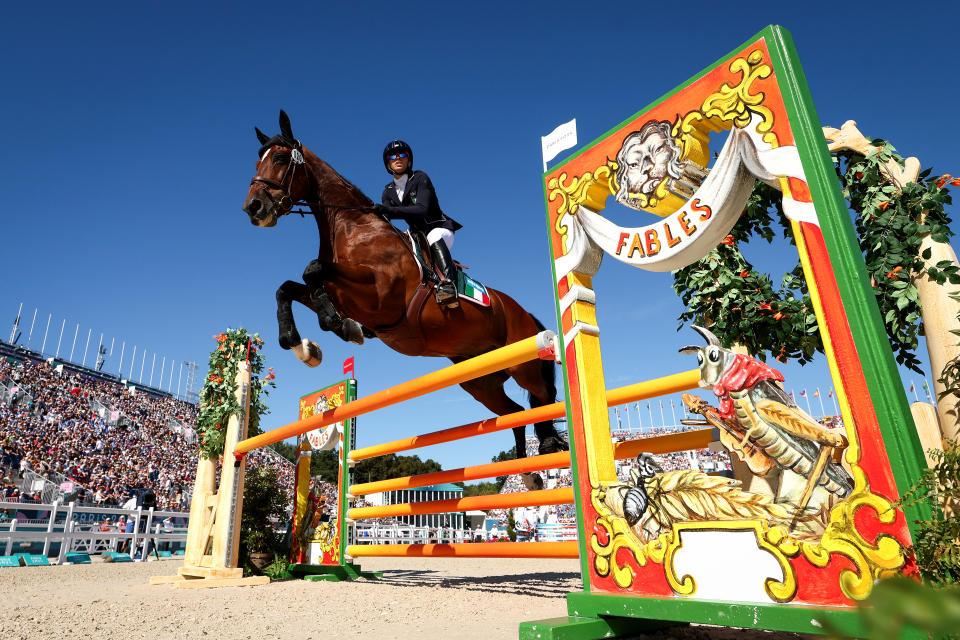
(547, 370)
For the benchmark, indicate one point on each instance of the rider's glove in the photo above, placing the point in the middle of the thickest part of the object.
(382, 211)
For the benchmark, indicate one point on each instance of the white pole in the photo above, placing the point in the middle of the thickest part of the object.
(626, 410)
(120, 366)
(650, 411)
(152, 366)
(823, 412)
(132, 360)
(143, 361)
(89, 333)
(639, 418)
(170, 381)
(179, 378)
(16, 324)
(44, 345)
(62, 327)
(74, 345)
(663, 421)
(163, 363)
(835, 406)
(913, 388)
(30, 337)
(807, 398)
(673, 412)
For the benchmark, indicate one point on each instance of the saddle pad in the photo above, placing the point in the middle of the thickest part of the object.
(472, 290)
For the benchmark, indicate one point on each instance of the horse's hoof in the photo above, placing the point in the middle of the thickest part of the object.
(552, 444)
(352, 331)
(308, 352)
(532, 481)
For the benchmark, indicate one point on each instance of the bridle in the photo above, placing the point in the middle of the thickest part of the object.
(286, 203)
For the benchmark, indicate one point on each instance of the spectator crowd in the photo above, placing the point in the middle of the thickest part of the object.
(53, 424)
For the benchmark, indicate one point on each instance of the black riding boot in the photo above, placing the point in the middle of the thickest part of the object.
(447, 289)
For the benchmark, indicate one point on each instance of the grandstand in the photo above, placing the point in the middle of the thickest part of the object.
(68, 433)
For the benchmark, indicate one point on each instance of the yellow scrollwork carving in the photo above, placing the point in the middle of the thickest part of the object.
(872, 561)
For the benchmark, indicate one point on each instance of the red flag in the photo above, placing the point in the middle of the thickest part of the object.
(911, 386)
(348, 366)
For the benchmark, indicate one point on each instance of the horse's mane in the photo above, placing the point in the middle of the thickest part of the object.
(338, 180)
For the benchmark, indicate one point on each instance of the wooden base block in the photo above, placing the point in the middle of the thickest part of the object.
(166, 579)
(210, 572)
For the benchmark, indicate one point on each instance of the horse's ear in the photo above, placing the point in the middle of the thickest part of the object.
(261, 136)
(285, 130)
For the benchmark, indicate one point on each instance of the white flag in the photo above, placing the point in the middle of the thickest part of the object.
(563, 137)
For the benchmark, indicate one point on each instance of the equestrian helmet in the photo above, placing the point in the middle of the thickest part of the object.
(396, 146)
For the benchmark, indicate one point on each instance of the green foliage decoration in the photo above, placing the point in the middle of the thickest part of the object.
(725, 292)
(264, 511)
(937, 543)
(891, 222)
(217, 397)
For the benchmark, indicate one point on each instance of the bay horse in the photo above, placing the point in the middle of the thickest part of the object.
(365, 278)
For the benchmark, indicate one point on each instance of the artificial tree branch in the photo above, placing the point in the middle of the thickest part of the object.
(849, 138)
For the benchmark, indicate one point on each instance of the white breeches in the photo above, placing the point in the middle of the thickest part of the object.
(441, 234)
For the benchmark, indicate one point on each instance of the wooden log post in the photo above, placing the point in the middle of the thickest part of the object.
(940, 312)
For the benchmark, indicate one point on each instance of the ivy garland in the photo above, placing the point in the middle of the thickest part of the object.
(217, 398)
(742, 306)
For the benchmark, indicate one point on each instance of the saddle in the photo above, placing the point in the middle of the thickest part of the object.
(430, 277)
(467, 288)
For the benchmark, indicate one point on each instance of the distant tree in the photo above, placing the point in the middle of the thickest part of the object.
(481, 489)
(287, 450)
(503, 456)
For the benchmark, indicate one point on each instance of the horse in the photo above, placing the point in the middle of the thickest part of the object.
(365, 283)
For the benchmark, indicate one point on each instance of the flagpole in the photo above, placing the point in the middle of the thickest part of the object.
(44, 345)
(123, 345)
(16, 325)
(663, 420)
(617, 411)
(89, 333)
(673, 412)
(836, 407)
(823, 412)
(170, 380)
(651, 415)
(926, 390)
(74, 345)
(30, 336)
(133, 359)
(153, 365)
(913, 388)
(626, 410)
(807, 398)
(639, 419)
(143, 360)
(62, 326)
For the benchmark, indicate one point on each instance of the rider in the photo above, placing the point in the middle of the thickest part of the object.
(410, 196)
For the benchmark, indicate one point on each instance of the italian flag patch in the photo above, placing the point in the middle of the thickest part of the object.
(473, 290)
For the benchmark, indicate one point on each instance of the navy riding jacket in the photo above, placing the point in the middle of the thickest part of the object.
(419, 208)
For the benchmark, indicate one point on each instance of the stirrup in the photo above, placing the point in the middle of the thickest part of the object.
(446, 295)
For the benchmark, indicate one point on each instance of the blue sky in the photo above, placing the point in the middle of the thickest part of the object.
(130, 146)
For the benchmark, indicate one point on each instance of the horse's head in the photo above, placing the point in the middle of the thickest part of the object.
(282, 179)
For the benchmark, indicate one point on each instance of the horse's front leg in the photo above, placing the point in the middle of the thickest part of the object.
(328, 317)
(306, 351)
